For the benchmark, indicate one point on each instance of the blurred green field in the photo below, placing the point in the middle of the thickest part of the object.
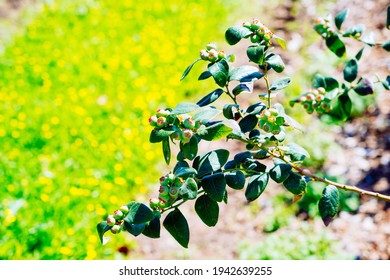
(77, 86)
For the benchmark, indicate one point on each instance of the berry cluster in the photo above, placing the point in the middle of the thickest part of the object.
(168, 192)
(261, 33)
(271, 121)
(115, 221)
(316, 100)
(211, 53)
(183, 125)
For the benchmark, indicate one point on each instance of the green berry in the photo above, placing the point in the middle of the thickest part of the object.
(189, 123)
(266, 127)
(174, 192)
(321, 90)
(273, 111)
(164, 190)
(153, 203)
(187, 134)
(213, 55)
(110, 220)
(171, 177)
(124, 209)
(161, 121)
(204, 55)
(211, 46)
(116, 229)
(153, 120)
(279, 120)
(162, 113)
(118, 215)
(255, 38)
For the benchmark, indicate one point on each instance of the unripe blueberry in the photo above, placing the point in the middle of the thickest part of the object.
(326, 106)
(124, 209)
(321, 90)
(153, 120)
(161, 121)
(309, 97)
(275, 129)
(204, 54)
(255, 38)
(116, 229)
(198, 124)
(189, 123)
(110, 220)
(319, 98)
(273, 111)
(178, 181)
(174, 192)
(213, 55)
(162, 204)
(255, 23)
(221, 54)
(301, 99)
(175, 135)
(279, 120)
(271, 119)
(246, 24)
(118, 215)
(162, 113)
(187, 134)
(267, 36)
(153, 202)
(164, 190)
(211, 46)
(266, 127)
(171, 177)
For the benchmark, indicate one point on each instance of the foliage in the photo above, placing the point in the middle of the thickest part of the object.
(77, 86)
(262, 126)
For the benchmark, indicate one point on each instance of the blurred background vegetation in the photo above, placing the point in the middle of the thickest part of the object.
(78, 82)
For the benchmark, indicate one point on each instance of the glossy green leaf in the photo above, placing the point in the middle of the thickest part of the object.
(248, 123)
(328, 83)
(280, 172)
(207, 210)
(138, 213)
(204, 75)
(214, 132)
(215, 186)
(210, 98)
(246, 73)
(234, 34)
(256, 53)
(158, 135)
(184, 107)
(329, 204)
(166, 150)
(296, 152)
(280, 84)
(176, 224)
(240, 88)
(280, 41)
(185, 171)
(229, 110)
(295, 184)
(386, 83)
(256, 108)
(188, 69)
(235, 180)
(153, 228)
(337, 46)
(189, 189)
(240, 158)
(386, 46)
(340, 17)
(220, 72)
(364, 87)
(134, 229)
(189, 149)
(206, 114)
(275, 62)
(350, 70)
(211, 162)
(358, 56)
(256, 186)
(102, 228)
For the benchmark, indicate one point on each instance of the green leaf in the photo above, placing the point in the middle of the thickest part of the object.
(102, 228)
(211, 162)
(280, 41)
(158, 135)
(296, 152)
(340, 17)
(240, 158)
(220, 72)
(185, 171)
(235, 180)
(369, 39)
(329, 204)
(256, 186)
(246, 73)
(181, 163)
(342, 106)
(188, 69)
(153, 228)
(228, 110)
(355, 30)
(176, 224)
(359, 54)
(184, 107)
(386, 83)
(248, 123)
(351, 70)
(275, 62)
(206, 114)
(295, 184)
(190, 149)
(388, 18)
(280, 84)
(337, 46)
(134, 229)
(214, 132)
(210, 98)
(386, 46)
(234, 34)
(207, 210)
(205, 75)
(138, 213)
(166, 150)
(280, 172)
(364, 87)
(189, 189)
(256, 53)
(215, 186)
(256, 108)
(328, 83)
(240, 88)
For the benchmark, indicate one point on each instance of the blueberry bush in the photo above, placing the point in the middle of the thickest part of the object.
(262, 126)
